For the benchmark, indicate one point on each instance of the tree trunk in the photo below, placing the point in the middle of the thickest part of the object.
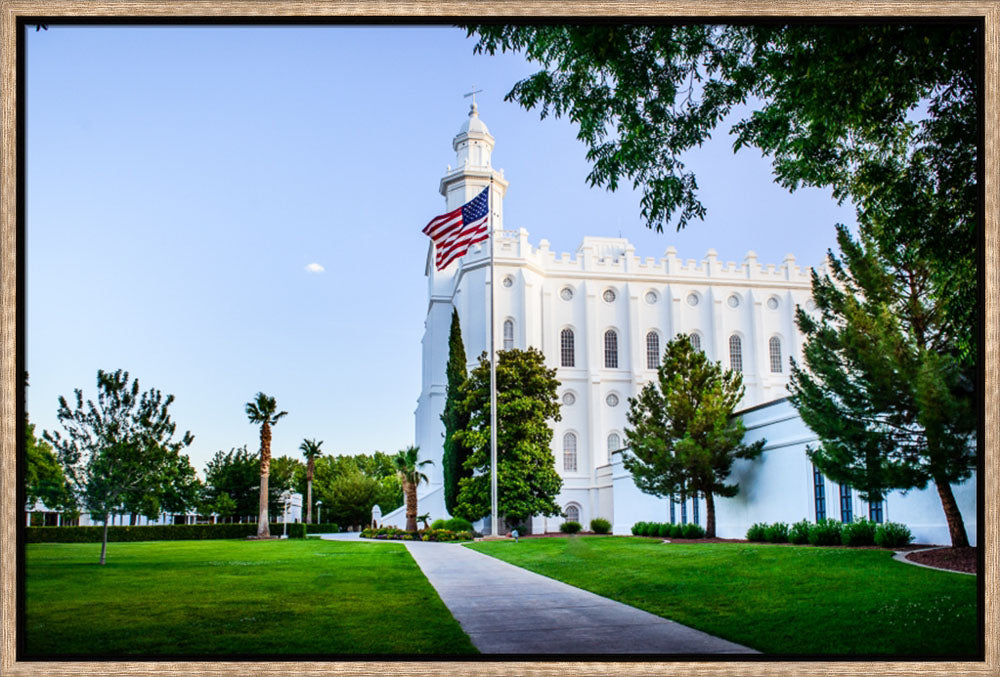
(956, 526)
(263, 526)
(709, 515)
(410, 489)
(131, 519)
(104, 540)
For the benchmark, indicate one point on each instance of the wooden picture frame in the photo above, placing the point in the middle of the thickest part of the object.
(10, 317)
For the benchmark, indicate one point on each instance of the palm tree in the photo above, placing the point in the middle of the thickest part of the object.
(408, 466)
(262, 410)
(310, 449)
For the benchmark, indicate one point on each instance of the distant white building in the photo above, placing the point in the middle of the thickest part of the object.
(602, 317)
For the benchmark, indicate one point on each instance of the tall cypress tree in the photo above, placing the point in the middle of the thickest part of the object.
(454, 417)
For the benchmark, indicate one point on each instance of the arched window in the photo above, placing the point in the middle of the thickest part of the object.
(696, 342)
(652, 350)
(572, 513)
(508, 334)
(569, 452)
(567, 348)
(610, 349)
(614, 444)
(774, 345)
(735, 353)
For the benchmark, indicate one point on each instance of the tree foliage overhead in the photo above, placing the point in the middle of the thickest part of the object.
(881, 389)
(882, 114)
(120, 454)
(682, 438)
(454, 417)
(527, 400)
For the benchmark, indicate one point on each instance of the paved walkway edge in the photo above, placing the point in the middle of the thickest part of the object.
(509, 610)
(900, 556)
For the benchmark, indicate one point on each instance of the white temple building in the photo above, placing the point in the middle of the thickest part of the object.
(602, 316)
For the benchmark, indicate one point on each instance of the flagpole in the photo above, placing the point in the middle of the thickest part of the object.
(493, 370)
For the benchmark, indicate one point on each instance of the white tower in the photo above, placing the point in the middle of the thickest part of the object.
(472, 172)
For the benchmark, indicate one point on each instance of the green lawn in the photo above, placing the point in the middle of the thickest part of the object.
(233, 597)
(777, 599)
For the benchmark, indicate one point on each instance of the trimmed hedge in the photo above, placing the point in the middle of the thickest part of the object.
(859, 532)
(600, 525)
(776, 533)
(154, 532)
(570, 527)
(396, 534)
(826, 532)
(892, 535)
(324, 528)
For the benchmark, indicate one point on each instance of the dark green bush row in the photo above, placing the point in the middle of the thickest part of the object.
(395, 534)
(570, 527)
(453, 524)
(831, 532)
(325, 528)
(600, 526)
(153, 532)
(668, 530)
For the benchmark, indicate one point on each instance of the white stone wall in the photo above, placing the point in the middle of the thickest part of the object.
(778, 486)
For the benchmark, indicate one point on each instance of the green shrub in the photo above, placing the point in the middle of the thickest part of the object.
(637, 528)
(643, 528)
(323, 528)
(459, 524)
(892, 535)
(439, 524)
(799, 533)
(676, 531)
(859, 532)
(776, 533)
(570, 527)
(651, 529)
(757, 532)
(692, 530)
(600, 526)
(154, 532)
(825, 532)
(663, 529)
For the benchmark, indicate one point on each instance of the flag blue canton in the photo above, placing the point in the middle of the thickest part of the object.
(476, 208)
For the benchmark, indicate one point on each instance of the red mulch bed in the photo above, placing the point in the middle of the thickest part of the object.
(955, 559)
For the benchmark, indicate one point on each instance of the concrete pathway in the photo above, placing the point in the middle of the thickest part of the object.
(508, 610)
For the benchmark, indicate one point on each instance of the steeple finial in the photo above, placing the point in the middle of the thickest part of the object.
(473, 109)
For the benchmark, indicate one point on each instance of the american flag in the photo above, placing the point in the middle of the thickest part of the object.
(453, 233)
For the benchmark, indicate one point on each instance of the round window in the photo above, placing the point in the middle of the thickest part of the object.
(508, 281)
(734, 301)
(693, 299)
(772, 303)
(651, 297)
(609, 295)
(569, 399)
(566, 294)
(612, 400)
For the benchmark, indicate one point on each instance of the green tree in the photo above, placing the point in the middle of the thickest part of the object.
(121, 448)
(408, 465)
(527, 481)
(263, 410)
(223, 506)
(44, 479)
(236, 473)
(284, 476)
(883, 114)
(349, 497)
(881, 388)
(377, 467)
(454, 417)
(311, 450)
(682, 437)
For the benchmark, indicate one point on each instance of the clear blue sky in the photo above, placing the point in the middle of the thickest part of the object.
(180, 180)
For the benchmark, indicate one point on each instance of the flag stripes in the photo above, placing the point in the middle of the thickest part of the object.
(453, 233)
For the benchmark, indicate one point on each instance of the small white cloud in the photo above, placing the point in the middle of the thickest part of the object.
(315, 268)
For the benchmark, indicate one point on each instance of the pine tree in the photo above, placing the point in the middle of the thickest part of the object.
(454, 417)
(883, 386)
(682, 437)
(527, 481)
